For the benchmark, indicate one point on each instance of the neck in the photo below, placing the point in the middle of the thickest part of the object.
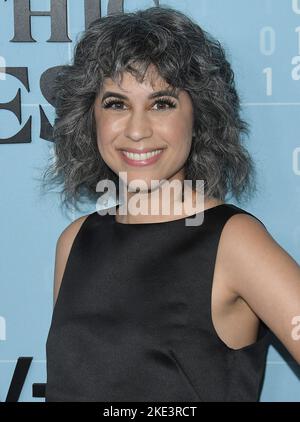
(160, 205)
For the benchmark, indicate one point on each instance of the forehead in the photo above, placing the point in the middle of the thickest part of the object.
(128, 82)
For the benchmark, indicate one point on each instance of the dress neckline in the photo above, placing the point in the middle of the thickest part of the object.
(178, 220)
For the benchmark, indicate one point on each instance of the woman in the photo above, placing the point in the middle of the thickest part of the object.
(147, 308)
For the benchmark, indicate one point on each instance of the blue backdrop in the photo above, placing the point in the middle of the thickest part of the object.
(262, 41)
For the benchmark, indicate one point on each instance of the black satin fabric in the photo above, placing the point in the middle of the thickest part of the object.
(132, 321)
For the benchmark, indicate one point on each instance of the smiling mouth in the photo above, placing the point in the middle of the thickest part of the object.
(141, 159)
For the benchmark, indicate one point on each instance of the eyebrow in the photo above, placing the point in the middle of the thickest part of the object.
(165, 92)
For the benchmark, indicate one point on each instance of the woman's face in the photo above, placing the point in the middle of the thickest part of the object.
(141, 122)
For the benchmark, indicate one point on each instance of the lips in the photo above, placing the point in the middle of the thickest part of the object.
(140, 151)
(134, 161)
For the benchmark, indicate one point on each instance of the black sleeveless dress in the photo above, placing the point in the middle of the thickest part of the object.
(132, 321)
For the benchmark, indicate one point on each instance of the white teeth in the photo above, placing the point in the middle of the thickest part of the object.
(145, 156)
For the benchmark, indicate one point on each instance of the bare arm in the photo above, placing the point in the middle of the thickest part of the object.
(63, 248)
(260, 271)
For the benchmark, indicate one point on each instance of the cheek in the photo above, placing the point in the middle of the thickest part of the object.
(104, 136)
(179, 135)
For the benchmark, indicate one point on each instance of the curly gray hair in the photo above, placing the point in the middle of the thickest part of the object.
(187, 57)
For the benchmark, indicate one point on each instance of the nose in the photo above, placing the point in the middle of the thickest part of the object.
(138, 126)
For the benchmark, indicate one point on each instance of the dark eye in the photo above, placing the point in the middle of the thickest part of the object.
(165, 101)
(160, 102)
(110, 103)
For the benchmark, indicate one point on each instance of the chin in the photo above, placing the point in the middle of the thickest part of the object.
(144, 186)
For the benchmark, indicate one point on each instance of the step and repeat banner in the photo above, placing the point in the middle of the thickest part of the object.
(262, 41)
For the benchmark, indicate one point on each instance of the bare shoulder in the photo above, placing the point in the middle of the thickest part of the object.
(69, 233)
(241, 234)
(63, 248)
(247, 238)
(243, 239)
(240, 225)
(263, 274)
(249, 250)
